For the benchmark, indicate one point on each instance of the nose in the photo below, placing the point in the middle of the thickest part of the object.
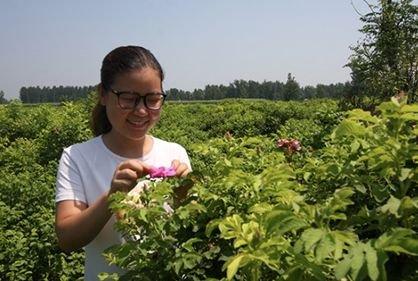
(140, 106)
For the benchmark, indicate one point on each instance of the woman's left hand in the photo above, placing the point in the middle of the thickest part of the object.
(182, 170)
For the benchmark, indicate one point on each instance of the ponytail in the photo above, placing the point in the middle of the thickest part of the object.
(99, 122)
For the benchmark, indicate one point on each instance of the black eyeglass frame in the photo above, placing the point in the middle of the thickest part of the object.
(139, 98)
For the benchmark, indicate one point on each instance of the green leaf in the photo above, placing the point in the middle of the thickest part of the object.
(233, 264)
(324, 248)
(410, 108)
(348, 128)
(333, 169)
(406, 245)
(260, 208)
(342, 268)
(408, 205)
(341, 239)
(190, 260)
(316, 271)
(344, 193)
(354, 147)
(358, 263)
(240, 242)
(249, 232)
(210, 227)
(230, 227)
(278, 222)
(382, 258)
(405, 174)
(355, 263)
(359, 114)
(410, 116)
(188, 245)
(391, 206)
(306, 176)
(399, 240)
(361, 188)
(371, 260)
(310, 237)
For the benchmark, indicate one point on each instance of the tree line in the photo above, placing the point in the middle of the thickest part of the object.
(53, 94)
(290, 90)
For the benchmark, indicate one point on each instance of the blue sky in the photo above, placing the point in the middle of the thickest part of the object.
(46, 43)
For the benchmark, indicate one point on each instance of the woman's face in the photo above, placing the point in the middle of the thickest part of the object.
(132, 124)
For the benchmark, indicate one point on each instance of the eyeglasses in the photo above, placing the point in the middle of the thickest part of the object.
(130, 100)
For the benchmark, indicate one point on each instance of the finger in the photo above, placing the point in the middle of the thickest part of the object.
(185, 173)
(123, 185)
(182, 170)
(127, 174)
(139, 167)
(132, 164)
(175, 163)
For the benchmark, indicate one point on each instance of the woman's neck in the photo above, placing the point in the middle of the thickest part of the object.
(125, 147)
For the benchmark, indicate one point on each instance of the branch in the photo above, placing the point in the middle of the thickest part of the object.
(370, 7)
(358, 12)
(355, 9)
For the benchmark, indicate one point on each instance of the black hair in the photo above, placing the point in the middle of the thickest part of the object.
(118, 61)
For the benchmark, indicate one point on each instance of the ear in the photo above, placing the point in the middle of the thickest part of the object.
(102, 95)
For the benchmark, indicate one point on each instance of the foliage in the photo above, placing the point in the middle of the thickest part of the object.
(291, 89)
(271, 90)
(28, 247)
(32, 139)
(385, 61)
(349, 211)
(200, 121)
(29, 152)
(2, 98)
(54, 94)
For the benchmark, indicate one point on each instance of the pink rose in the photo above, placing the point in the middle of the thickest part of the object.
(295, 145)
(162, 172)
(282, 142)
(289, 145)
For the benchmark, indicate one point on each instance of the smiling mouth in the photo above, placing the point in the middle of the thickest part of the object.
(138, 123)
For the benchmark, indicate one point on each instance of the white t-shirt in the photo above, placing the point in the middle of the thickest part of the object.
(85, 173)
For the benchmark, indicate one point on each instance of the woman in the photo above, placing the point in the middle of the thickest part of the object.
(130, 101)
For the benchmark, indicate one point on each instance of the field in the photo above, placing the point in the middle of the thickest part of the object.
(281, 191)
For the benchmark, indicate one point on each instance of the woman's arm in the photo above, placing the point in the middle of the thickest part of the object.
(77, 224)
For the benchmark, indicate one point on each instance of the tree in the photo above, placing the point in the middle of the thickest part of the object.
(2, 98)
(291, 89)
(309, 92)
(385, 62)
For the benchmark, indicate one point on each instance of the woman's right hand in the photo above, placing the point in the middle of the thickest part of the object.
(126, 175)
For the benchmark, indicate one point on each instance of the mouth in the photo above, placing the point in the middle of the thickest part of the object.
(138, 123)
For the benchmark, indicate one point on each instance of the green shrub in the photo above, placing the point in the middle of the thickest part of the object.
(349, 213)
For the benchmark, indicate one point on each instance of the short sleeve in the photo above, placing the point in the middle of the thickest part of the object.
(69, 185)
(184, 158)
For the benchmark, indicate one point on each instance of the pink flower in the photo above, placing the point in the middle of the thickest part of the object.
(162, 172)
(295, 145)
(282, 142)
(289, 145)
